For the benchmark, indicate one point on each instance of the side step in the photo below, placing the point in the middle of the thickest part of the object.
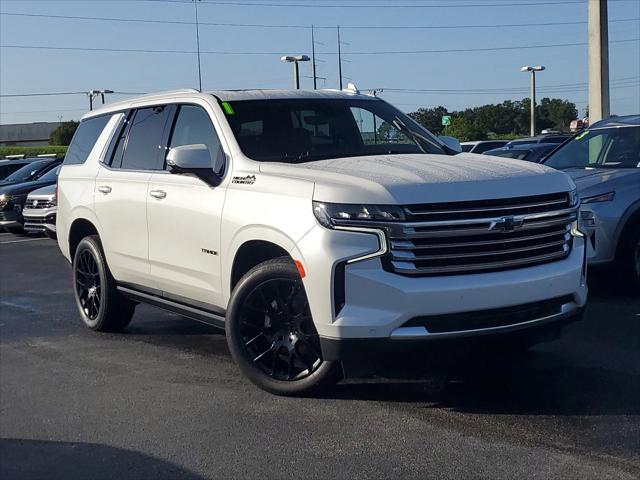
(204, 316)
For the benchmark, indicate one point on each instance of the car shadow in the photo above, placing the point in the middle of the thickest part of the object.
(22, 459)
(534, 383)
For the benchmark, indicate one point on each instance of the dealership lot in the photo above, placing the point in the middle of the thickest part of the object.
(165, 400)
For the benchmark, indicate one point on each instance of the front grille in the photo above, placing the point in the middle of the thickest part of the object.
(497, 317)
(31, 203)
(481, 236)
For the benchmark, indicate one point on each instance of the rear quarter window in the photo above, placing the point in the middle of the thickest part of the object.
(84, 139)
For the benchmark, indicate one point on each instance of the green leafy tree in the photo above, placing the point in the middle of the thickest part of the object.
(430, 118)
(63, 134)
(556, 113)
(464, 130)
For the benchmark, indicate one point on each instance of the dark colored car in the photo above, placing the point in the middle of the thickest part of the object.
(482, 145)
(7, 167)
(14, 195)
(531, 152)
(31, 171)
(551, 138)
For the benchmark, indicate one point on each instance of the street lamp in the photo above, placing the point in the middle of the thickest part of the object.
(94, 93)
(296, 73)
(533, 70)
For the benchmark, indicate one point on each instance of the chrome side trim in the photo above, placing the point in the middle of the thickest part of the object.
(382, 240)
(421, 333)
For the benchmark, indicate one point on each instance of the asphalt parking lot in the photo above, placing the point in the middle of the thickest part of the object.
(165, 400)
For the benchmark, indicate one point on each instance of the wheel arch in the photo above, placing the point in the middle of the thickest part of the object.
(79, 229)
(252, 253)
(630, 219)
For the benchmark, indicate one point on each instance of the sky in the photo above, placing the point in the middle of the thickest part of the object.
(242, 40)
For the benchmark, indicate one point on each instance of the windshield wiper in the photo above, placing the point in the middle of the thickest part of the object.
(400, 125)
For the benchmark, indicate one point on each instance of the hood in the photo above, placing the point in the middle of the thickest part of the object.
(594, 181)
(44, 192)
(422, 178)
(22, 188)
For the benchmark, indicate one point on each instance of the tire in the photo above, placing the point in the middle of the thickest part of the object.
(271, 334)
(16, 230)
(100, 305)
(629, 258)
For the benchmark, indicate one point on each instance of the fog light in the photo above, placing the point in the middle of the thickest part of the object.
(587, 219)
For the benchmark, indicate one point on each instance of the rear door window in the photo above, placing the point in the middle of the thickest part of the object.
(144, 143)
(84, 139)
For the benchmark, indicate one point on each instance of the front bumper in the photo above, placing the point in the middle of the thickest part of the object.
(11, 217)
(39, 221)
(378, 303)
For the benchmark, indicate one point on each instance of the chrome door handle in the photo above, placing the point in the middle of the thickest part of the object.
(104, 189)
(160, 194)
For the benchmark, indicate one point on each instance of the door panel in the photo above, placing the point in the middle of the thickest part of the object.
(184, 236)
(121, 205)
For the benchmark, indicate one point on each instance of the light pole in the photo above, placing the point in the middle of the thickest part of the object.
(533, 70)
(295, 59)
(94, 93)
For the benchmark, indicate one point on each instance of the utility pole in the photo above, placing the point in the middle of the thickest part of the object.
(313, 59)
(339, 59)
(195, 3)
(295, 59)
(533, 71)
(599, 107)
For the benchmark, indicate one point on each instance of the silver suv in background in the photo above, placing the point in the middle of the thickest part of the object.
(604, 162)
(39, 211)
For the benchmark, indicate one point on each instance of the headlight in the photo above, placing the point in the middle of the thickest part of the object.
(573, 197)
(604, 197)
(330, 214)
(4, 199)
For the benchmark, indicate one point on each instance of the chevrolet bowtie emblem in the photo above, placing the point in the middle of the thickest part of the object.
(506, 224)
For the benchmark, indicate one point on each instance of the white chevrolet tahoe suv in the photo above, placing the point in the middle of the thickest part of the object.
(323, 231)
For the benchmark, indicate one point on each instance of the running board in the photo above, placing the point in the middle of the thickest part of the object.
(189, 311)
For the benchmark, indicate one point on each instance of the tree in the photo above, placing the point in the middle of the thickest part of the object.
(63, 134)
(464, 130)
(430, 118)
(556, 113)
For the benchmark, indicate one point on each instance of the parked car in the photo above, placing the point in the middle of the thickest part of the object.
(604, 161)
(31, 171)
(14, 195)
(553, 138)
(39, 211)
(320, 246)
(531, 152)
(7, 167)
(482, 146)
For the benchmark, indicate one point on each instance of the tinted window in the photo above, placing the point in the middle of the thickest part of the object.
(601, 147)
(517, 154)
(51, 175)
(142, 150)
(9, 169)
(28, 172)
(193, 126)
(84, 139)
(467, 148)
(304, 130)
(553, 139)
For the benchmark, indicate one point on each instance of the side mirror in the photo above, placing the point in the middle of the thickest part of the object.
(452, 143)
(194, 159)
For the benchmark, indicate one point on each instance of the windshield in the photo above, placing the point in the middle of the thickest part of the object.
(28, 172)
(51, 175)
(615, 147)
(303, 130)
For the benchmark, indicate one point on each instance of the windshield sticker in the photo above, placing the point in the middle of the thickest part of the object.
(578, 137)
(228, 109)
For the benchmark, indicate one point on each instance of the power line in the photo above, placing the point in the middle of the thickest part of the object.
(388, 52)
(56, 94)
(300, 26)
(377, 5)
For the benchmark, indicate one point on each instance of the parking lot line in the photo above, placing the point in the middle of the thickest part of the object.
(24, 240)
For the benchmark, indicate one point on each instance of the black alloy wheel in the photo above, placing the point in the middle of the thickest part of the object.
(88, 284)
(278, 331)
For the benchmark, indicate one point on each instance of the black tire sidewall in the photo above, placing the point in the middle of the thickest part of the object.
(91, 244)
(326, 374)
